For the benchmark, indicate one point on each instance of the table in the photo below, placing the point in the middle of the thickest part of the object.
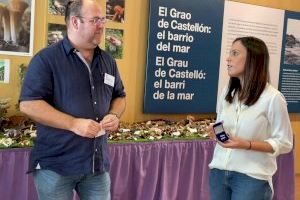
(164, 170)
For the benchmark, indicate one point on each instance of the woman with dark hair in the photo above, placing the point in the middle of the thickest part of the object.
(255, 116)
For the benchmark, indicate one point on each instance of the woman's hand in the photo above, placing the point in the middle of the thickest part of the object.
(235, 143)
(210, 131)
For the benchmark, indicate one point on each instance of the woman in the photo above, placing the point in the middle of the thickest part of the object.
(255, 116)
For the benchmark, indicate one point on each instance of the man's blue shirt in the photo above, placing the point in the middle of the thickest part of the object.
(58, 76)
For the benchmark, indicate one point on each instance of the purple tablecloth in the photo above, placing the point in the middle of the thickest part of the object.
(145, 171)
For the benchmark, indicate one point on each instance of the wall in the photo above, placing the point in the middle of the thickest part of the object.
(12, 89)
(132, 66)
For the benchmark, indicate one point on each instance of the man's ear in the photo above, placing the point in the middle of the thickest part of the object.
(74, 22)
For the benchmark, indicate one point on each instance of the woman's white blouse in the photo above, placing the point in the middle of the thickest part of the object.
(266, 120)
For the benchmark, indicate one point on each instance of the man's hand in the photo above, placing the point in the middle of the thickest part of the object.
(110, 122)
(85, 127)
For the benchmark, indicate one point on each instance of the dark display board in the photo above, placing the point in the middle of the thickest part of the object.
(188, 42)
(183, 56)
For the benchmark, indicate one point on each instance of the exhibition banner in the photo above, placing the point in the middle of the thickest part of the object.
(183, 56)
(250, 20)
(188, 44)
(289, 83)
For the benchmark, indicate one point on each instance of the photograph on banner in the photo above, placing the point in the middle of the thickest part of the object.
(4, 70)
(16, 27)
(56, 7)
(114, 42)
(292, 45)
(265, 23)
(115, 10)
(56, 32)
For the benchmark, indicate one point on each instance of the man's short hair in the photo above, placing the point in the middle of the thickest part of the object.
(73, 8)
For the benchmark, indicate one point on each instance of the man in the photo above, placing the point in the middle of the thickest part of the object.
(74, 92)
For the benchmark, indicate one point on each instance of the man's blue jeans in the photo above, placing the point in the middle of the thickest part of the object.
(230, 185)
(52, 186)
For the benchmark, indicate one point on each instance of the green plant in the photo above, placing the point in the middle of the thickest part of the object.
(4, 105)
(22, 73)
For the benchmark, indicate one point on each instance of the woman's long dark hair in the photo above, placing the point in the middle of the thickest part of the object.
(256, 74)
